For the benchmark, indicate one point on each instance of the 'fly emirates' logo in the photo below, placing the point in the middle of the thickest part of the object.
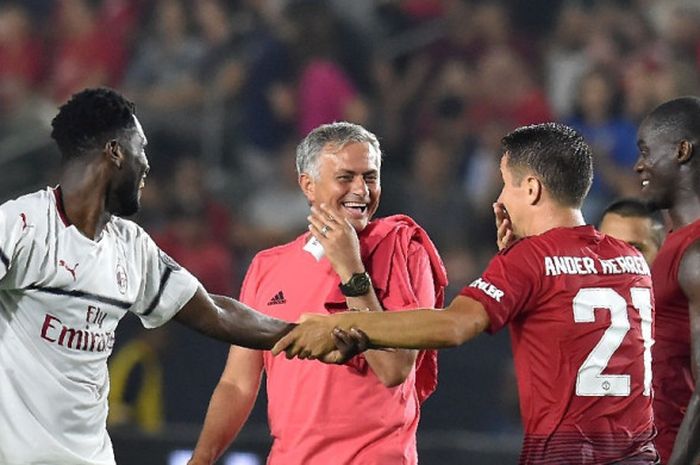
(88, 340)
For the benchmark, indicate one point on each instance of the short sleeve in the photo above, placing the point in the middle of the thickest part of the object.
(165, 287)
(249, 289)
(411, 285)
(11, 232)
(505, 289)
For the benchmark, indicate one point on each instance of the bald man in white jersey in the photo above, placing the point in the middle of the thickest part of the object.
(70, 269)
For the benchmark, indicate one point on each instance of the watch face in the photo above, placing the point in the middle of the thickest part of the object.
(360, 281)
(359, 284)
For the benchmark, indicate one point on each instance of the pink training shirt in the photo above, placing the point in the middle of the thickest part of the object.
(322, 414)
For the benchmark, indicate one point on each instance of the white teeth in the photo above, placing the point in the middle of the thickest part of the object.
(645, 182)
(354, 205)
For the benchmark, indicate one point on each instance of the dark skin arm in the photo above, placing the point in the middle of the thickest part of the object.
(231, 321)
(461, 321)
(686, 449)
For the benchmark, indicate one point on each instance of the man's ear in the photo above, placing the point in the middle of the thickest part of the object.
(114, 152)
(685, 151)
(534, 189)
(308, 186)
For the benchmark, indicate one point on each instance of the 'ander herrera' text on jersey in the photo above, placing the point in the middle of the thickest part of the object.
(579, 308)
(556, 265)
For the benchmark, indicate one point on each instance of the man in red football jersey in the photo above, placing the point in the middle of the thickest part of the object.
(669, 169)
(578, 304)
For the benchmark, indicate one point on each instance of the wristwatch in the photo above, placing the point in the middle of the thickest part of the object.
(358, 284)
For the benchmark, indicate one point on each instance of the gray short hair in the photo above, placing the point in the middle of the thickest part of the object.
(339, 134)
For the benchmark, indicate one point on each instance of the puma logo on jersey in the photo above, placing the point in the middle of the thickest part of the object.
(25, 225)
(70, 270)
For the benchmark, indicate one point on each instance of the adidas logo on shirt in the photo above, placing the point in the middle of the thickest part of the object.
(278, 299)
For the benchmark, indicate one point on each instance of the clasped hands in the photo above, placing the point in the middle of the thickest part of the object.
(316, 337)
(320, 337)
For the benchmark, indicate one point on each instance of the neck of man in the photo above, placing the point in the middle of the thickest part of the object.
(84, 197)
(686, 209)
(550, 216)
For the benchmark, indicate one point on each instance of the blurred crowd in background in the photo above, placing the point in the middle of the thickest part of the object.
(225, 90)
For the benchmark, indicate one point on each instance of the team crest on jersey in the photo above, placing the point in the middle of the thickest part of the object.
(122, 279)
(168, 261)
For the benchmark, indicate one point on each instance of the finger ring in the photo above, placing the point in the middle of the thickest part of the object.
(324, 230)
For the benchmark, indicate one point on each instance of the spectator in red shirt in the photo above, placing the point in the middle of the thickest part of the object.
(326, 92)
(21, 57)
(508, 92)
(187, 239)
(86, 53)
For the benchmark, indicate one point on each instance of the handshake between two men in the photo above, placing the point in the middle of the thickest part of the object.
(327, 338)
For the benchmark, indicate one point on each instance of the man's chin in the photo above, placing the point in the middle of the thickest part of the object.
(359, 224)
(652, 203)
(126, 210)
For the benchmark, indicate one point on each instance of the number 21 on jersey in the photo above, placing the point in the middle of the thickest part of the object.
(590, 381)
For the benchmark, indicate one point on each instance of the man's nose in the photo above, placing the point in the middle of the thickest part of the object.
(359, 186)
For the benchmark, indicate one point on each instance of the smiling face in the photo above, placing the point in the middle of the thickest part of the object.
(657, 165)
(124, 194)
(348, 181)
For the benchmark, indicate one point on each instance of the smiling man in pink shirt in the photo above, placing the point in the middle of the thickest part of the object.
(366, 411)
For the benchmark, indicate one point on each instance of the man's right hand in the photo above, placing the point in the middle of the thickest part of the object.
(316, 337)
(349, 343)
(311, 338)
(504, 227)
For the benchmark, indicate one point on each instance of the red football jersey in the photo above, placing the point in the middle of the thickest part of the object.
(673, 380)
(580, 307)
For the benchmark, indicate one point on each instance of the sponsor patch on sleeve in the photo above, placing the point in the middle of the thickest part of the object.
(488, 289)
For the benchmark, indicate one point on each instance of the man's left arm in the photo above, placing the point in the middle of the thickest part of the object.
(392, 367)
(427, 328)
(686, 449)
(396, 365)
(341, 247)
(231, 321)
(169, 291)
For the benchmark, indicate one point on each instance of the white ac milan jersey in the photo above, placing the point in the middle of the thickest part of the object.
(61, 297)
